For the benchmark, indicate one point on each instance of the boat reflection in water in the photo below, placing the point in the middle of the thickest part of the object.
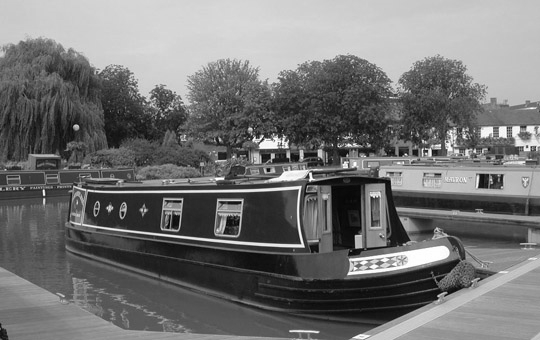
(132, 301)
(32, 246)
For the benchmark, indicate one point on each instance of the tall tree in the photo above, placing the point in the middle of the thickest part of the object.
(123, 106)
(167, 111)
(333, 102)
(227, 99)
(44, 91)
(436, 95)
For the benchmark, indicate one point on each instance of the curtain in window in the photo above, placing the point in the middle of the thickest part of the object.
(310, 217)
(375, 203)
(221, 223)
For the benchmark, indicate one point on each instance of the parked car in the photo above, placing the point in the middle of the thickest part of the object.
(313, 161)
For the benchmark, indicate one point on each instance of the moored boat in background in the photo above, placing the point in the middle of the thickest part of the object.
(45, 178)
(474, 191)
(322, 242)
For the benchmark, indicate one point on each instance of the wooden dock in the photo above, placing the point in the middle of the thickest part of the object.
(503, 306)
(29, 312)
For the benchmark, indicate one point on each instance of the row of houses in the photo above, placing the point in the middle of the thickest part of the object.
(503, 128)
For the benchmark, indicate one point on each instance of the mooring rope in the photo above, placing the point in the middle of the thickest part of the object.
(439, 232)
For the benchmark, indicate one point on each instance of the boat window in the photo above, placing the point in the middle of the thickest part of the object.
(269, 170)
(396, 177)
(13, 179)
(228, 217)
(432, 180)
(375, 205)
(171, 215)
(489, 181)
(52, 179)
(84, 175)
(46, 164)
(254, 171)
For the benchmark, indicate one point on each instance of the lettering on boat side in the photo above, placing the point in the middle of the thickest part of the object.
(456, 179)
(38, 187)
(12, 188)
(397, 261)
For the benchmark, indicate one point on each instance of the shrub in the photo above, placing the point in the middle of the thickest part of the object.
(524, 135)
(111, 158)
(143, 149)
(167, 171)
(14, 165)
(175, 154)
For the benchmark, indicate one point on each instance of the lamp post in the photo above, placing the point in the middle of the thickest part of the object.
(250, 132)
(76, 145)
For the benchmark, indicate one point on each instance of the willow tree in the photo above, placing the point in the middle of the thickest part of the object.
(44, 91)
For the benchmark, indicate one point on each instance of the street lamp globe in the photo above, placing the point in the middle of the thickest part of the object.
(76, 127)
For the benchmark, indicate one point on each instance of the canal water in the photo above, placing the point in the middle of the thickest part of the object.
(32, 247)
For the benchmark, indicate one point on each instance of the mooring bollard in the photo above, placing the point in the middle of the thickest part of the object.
(302, 332)
(528, 245)
(441, 298)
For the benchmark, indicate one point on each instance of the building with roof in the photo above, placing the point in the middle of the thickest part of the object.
(518, 125)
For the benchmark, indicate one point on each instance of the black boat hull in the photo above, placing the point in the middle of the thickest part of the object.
(270, 281)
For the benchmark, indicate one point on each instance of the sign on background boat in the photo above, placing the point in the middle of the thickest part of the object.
(321, 242)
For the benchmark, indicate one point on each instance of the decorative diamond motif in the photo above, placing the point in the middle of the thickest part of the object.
(143, 210)
(379, 263)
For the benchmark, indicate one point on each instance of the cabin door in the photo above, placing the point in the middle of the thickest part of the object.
(375, 218)
(325, 219)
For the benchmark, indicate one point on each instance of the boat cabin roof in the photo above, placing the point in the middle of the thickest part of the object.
(308, 175)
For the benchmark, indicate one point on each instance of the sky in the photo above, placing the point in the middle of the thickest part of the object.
(166, 41)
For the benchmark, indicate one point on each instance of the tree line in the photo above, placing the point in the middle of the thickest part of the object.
(46, 89)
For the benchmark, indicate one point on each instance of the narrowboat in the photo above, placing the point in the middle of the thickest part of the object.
(482, 187)
(317, 242)
(373, 163)
(509, 194)
(45, 178)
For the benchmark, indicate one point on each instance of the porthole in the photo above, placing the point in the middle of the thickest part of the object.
(97, 206)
